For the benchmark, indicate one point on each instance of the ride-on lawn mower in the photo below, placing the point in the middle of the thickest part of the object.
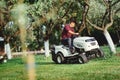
(84, 48)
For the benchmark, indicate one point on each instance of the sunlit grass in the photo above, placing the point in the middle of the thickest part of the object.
(46, 69)
(97, 69)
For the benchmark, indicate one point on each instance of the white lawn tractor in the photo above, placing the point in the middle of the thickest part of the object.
(84, 48)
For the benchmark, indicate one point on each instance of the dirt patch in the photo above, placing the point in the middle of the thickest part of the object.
(118, 54)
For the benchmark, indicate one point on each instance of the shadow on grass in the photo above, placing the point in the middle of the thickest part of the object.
(44, 63)
(53, 63)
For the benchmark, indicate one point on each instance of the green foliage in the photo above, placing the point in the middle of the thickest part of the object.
(96, 10)
(37, 42)
(10, 29)
(40, 8)
(52, 11)
(116, 7)
(52, 14)
(2, 4)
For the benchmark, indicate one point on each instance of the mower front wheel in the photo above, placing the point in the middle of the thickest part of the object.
(60, 58)
(82, 59)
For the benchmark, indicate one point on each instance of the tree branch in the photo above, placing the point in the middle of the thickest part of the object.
(117, 10)
(115, 3)
(59, 19)
(106, 3)
(95, 26)
(110, 16)
(67, 10)
(104, 18)
(83, 23)
(111, 21)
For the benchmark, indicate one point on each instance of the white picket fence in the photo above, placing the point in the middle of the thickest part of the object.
(19, 54)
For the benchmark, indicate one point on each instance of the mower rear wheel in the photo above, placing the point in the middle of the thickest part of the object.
(99, 53)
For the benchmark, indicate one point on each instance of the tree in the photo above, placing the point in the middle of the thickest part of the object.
(50, 14)
(5, 7)
(106, 22)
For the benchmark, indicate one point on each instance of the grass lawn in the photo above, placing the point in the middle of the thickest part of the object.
(46, 69)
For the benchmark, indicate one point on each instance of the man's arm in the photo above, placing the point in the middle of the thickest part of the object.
(71, 32)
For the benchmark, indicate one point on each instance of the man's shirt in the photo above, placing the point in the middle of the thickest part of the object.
(65, 33)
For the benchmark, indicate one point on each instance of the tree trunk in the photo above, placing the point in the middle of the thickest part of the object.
(110, 42)
(8, 51)
(46, 44)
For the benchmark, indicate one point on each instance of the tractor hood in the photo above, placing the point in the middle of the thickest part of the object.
(85, 39)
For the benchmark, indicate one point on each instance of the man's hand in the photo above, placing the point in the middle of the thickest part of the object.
(76, 33)
(71, 32)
